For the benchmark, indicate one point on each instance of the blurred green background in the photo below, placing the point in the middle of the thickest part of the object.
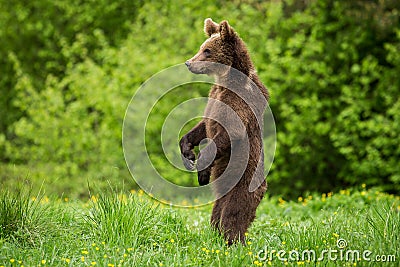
(69, 69)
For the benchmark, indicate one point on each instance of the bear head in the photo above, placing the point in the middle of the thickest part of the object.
(224, 47)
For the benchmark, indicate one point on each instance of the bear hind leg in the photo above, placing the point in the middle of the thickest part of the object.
(234, 224)
(239, 212)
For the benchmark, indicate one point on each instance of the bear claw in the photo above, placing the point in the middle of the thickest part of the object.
(189, 164)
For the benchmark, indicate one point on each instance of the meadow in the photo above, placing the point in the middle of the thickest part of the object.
(354, 227)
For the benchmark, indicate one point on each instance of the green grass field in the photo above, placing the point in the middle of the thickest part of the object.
(356, 227)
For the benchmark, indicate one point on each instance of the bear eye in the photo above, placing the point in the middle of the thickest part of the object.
(207, 51)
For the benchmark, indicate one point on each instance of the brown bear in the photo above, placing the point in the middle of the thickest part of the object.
(232, 123)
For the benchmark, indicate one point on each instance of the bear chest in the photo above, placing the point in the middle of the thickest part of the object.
(223, 111)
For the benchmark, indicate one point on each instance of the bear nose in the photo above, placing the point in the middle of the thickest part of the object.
(187, 63)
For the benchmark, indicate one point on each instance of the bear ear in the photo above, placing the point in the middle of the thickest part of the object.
(226, 30)
(210, 27)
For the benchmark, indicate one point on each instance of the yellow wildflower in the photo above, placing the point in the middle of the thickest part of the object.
(45, 199)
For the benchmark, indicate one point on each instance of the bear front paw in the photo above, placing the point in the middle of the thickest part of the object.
(188, 156)
(188, 161)
(204, 176)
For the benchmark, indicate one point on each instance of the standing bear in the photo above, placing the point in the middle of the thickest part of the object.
(232, 130)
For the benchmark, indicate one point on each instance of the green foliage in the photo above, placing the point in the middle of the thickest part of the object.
(110, 220)
(69, 70)
(154, 130)
(332, 71)
(23, 220)
(48, 36)
(328, 64)
(132, 230)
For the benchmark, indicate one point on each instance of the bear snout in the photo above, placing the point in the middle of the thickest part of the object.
(197, 67)
(193, 66)
(189, 65)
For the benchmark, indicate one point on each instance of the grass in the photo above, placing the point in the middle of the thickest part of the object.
(133, 230)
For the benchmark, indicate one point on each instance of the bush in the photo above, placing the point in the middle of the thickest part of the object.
(48, 36)
(331, 68)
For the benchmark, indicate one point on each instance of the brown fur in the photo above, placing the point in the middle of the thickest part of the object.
(234, 211)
